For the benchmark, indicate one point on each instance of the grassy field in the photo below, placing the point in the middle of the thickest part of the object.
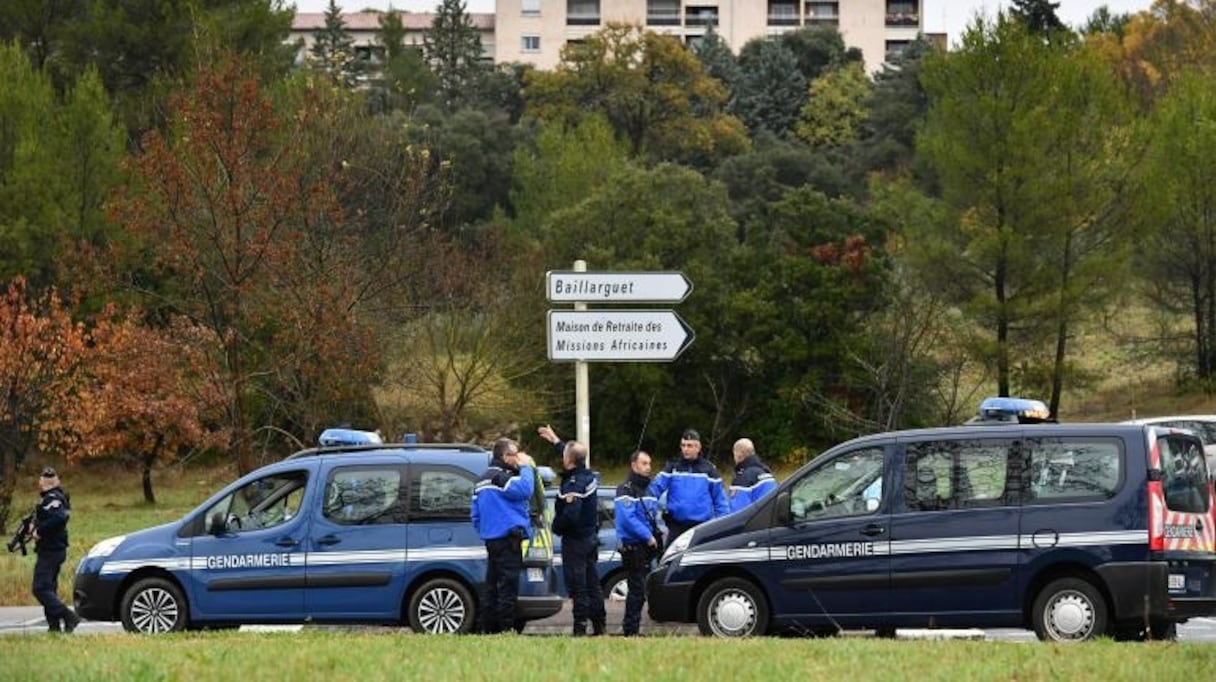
(388, 655)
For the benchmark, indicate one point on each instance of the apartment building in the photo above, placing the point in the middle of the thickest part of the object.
(362, 27)
(534, 31)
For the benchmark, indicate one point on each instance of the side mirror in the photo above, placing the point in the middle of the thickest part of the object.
(216, 524)
(783, 509)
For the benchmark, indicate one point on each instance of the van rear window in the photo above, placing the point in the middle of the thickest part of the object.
(1185, 474)
(1073, 469)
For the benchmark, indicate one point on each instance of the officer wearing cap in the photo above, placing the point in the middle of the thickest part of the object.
(693, 486)
(51, 545)
(500, 515)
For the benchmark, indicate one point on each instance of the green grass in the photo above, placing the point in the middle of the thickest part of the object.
(390, 655)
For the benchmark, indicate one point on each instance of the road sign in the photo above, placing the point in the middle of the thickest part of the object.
(629, 287)
(617, 335)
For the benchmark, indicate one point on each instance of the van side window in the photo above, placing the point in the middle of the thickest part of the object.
(440, 492)
(264, 503)
(1185, 480)
(364, 495)
(849, 485)
(1073, 469)
(958, 474)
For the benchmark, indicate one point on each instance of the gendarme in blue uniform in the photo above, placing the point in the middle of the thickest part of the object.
(694, 493)
(636, 519)
(577, 522)
(500, 515)
(752, 480)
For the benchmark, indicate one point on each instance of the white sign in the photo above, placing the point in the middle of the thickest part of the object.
(617, 335)
(631, 287)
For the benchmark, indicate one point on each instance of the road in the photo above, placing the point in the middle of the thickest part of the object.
(28, 620)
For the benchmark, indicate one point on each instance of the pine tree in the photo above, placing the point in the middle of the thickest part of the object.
(1038, 15)
(718, 60)
(452, 47)
(333, 49)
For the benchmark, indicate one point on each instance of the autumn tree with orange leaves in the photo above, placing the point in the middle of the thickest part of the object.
(254, 224)
(148, 394)
(41, 350)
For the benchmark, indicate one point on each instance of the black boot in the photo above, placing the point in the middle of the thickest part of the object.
(53, 626)
(580, 630)
(598, 628)
(70, 621)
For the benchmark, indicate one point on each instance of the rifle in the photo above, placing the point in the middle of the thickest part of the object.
(25, 533)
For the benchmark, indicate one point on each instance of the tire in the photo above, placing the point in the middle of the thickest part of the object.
(442, 606)
(1157, 631)
(732, 607)
(616, 587)
(153, 606)
(1070, 610)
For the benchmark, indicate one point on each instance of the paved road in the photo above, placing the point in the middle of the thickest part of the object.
(28, 620)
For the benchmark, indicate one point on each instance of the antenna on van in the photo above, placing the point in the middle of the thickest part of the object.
(645, 421)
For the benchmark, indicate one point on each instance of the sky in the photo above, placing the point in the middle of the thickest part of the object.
(941, 16)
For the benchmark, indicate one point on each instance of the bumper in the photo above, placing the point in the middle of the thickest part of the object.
(1139, 590)
(668, 602)
(94, 598)
(536, 608)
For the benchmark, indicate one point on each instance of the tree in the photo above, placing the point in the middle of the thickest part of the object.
(835, 108)
(148, 394)
(817, 49)
(333, 50)
(452, 46)
(41, 351)
(993, 136)
(895, 110)
(407, 81)
(772, 90)
(652, 90)
(718, 61)
(1038, 15)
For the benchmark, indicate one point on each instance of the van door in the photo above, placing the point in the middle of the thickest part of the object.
(829, 565)
(954, 533)
(248, 558)
(356, 556)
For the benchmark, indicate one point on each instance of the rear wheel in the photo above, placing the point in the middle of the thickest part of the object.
(152, 606)
(1069, 610)
(616, 586)
(442, 606)
(732, 607)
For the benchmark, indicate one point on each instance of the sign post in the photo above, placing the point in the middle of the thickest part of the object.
(612, 335)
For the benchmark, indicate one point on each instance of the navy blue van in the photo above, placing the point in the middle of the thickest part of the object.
(364, 533)
(1075, 531)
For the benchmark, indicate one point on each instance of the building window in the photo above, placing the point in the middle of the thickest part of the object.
(782, 13)
(902, 13)
(582, 12)
(700, 16)
(895, 50)
(531, 43)
(663, 12)
(530, 8)
(822, 12)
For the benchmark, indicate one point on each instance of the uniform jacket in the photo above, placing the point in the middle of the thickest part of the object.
(500, 500)
(752, 480)
(51, 520)
(694, 490)
(580, 518)
(635, 509)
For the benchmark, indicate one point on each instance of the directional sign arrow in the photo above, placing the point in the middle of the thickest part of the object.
(617, 335)
(632, 287)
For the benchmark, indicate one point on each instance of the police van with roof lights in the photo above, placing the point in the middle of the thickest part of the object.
(1075, 531)
(355, 531)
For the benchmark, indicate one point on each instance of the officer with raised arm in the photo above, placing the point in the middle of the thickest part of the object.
(752, 478)
(637, 530)
(500, 515)
(693, 486)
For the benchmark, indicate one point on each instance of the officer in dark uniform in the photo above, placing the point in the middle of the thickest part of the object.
(637, 530)
(753, 479)
(500, 515)
(576, 520)
(51, 546)
(693, 486)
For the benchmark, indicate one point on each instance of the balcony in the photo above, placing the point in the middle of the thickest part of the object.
(782, 14)
(582, 13)
(901, 19)
(822, 13)
(663, 13)
(903, 13)
(701, 16)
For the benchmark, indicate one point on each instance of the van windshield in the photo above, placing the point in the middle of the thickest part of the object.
(1185, 475)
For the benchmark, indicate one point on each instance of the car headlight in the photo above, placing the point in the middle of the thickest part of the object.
(681, 543)
(106, 547)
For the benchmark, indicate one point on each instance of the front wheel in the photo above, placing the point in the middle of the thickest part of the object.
(152, 606)
(442, 607)
(1069, 610)
(732, 607)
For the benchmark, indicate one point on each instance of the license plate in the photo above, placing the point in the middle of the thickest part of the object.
(1177, 581)
(536, 575)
